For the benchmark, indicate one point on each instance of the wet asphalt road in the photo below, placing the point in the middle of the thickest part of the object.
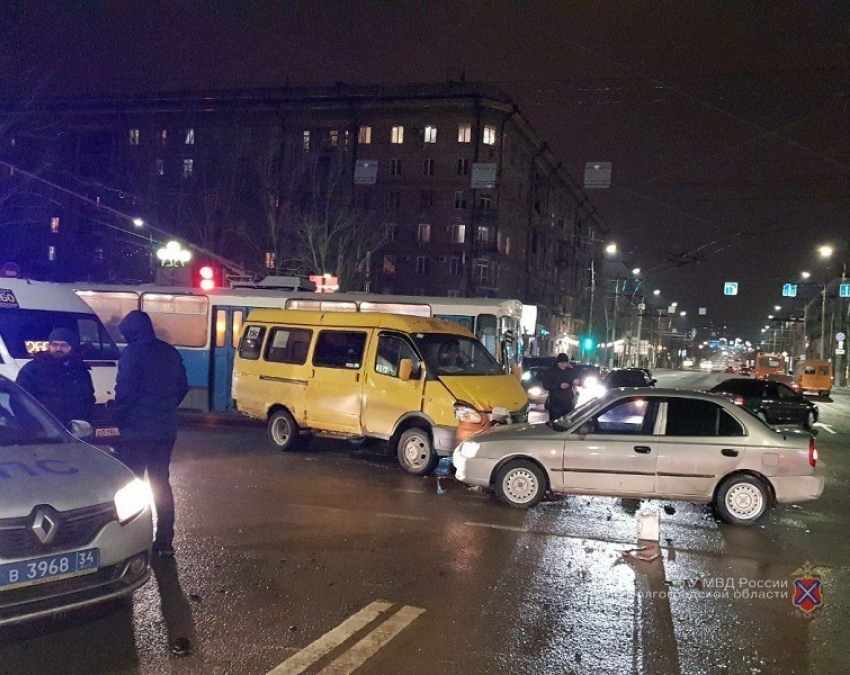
(278, 552)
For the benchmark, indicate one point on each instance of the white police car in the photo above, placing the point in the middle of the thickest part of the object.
(75, 523)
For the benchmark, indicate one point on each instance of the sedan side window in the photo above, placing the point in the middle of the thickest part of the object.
(625, 417)
(689, 417)
(786, 392)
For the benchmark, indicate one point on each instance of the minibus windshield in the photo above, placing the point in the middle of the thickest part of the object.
(25, 332)
(456, 355)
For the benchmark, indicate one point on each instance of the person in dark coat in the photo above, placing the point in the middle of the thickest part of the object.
(59, 379)
(151, 384)
(560, 382)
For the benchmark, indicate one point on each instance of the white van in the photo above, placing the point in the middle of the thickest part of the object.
(29, 310)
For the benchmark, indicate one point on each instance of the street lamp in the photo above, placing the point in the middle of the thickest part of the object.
(825, 253)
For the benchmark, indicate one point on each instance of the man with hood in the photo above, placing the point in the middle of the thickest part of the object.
(560, 381)
(151, 384)
(59, 379)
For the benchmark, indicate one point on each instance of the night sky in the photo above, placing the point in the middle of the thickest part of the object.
(728, 127)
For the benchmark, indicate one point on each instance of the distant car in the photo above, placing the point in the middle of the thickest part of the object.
(656, 444)
(75, 523)
(532, 382)
(774, 402)
(628, 377)
(729, 369)
(745, 371)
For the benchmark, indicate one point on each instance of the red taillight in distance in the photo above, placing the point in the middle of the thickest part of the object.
(813, 452)
(738, 400)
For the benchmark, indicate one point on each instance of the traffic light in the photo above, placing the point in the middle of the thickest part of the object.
(207, 277)
(587, 344)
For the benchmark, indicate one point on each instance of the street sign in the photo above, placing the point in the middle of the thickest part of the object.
(844, 290)
(841, 337)
(790, 290)
(730, 288)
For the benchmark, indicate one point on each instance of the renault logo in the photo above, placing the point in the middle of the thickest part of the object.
(44, 525)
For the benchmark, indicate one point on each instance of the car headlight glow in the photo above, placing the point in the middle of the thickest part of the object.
(466, 413)
(526, 375)
(535, 391)
(132, 499)
(590, 383)
(469, 449)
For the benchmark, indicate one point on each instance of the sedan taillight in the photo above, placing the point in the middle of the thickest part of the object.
(738, 400)
(813, 453)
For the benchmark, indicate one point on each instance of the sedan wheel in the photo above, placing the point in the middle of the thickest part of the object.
(741, 499)
(521, 484)
(416, 452)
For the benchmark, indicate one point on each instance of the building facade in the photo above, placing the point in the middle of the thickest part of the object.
(447, 189)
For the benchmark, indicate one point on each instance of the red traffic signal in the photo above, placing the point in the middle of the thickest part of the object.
(207, 277)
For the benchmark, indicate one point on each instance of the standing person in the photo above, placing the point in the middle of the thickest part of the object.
(59, 380)
(151, 384)
(559, 381)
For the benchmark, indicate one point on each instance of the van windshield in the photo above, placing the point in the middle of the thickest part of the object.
(456, 355)
(25, 332)
(25, 422)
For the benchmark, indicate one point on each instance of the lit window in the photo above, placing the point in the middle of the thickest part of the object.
(430, 135)
(489, 135)
(271, 260)
(54, 224)
(334, 137)
(395, 167)
(160, 167)
(305, 142)
(389, 264)
(163, 136)
(422, 264)
(458, 234)
(424, 235)
(134, 137)
(188, 168)
(462, 167)
(482, 233)
(190, 137)
(397, 135)
(482, 269)
(460, 200)
(51, 253)
(464, 133)
(364, 135)
(428, 167)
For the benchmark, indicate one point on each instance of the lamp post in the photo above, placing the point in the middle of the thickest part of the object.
(826, 253)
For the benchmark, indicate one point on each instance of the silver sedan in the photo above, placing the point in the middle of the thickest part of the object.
(75, 524)
(639, 443)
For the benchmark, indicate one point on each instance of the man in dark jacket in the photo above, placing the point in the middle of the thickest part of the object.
(151, 384)
(59, 379)
(559, 381)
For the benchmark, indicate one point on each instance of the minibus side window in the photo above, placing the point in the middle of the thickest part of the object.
(339, 349)
(252, 342)
(391, 350)
(288, 345)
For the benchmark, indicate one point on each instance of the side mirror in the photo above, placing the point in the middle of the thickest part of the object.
(405, 371)
(81, 429)
(516, 371)
(654, 381)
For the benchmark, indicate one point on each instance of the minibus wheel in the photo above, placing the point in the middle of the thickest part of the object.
(416, 452)
(283, 431)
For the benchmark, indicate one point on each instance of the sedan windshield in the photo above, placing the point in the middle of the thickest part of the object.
(456, 355)
(24, 422)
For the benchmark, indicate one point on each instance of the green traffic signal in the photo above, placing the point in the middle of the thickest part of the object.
(587, 344)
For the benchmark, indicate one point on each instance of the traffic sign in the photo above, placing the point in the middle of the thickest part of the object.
(840, 337)
(844, 290)
(730, 288)
(790, 290)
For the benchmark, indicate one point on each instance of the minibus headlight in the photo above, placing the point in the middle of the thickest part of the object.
(469, 449)
(535, 391)
(132, 499)
(466, 413)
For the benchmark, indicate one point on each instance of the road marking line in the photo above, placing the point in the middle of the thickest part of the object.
(826, 426)
(498, 527)
(299, 662)
(402, 516)
(369, 645)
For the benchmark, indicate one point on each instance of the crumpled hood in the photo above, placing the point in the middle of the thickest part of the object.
(137, 327)
(487, 391)
(64, 475)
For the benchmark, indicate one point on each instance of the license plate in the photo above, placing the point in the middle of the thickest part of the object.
(104, 432)
(49, 568)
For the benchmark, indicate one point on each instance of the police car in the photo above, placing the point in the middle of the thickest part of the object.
(75, 523)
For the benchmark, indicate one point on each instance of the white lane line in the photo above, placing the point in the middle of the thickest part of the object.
(827, 427)
(299, 662)
(498, 527)
(401, 515)
(369, 645)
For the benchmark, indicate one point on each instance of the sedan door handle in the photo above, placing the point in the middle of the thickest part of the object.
(643, 449)
(728, 452)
